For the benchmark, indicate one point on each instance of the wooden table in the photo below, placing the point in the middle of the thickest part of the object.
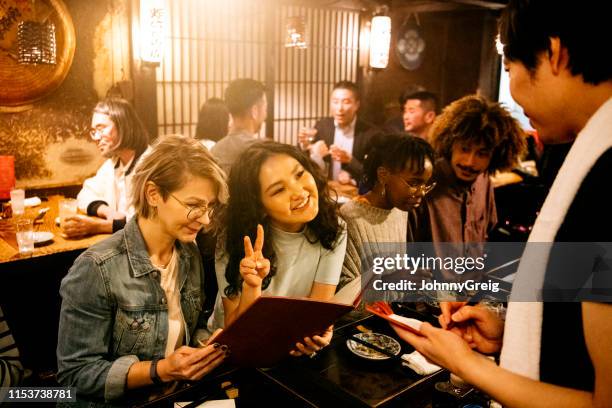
(8, 244)
(29, 285)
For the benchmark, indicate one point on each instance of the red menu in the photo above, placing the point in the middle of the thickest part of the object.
(265, 333)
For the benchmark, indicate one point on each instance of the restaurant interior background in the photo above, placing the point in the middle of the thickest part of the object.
(189, 51)
(204, 44)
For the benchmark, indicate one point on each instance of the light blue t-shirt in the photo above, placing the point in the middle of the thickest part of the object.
(299, 262)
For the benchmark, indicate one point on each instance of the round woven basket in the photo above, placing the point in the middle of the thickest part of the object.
(23, 84)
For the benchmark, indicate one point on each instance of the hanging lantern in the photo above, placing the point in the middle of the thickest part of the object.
(36, 43)
(152, 27)
(296, 32)
(380, 39)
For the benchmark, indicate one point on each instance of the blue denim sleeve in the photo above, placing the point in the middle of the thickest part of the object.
(85, 330)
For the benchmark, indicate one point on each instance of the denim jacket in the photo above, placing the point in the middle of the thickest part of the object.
(114, 312)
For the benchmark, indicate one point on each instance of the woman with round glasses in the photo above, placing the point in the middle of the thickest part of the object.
(121, 139)
(131, 313)
(397, 184)
(195, 211)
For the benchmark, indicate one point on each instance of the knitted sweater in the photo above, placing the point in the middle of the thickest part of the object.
(370, 231)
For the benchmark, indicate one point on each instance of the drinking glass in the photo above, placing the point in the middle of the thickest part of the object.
(25, 235)
(18, 201)
(67, 208)
(311, 132)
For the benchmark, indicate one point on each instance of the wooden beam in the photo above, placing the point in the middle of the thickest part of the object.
(426, 6)
(335, 4)
(491, 5)
(433, 6)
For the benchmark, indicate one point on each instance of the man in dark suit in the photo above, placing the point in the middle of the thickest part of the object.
(339, 143)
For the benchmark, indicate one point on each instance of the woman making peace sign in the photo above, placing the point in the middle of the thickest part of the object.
(277, 193)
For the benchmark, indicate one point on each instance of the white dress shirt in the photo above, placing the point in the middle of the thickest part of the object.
(344, 139)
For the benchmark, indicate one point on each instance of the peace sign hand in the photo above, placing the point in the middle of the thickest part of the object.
(254, 267)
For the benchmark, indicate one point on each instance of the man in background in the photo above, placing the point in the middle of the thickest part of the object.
(419, 113)
(341, 141)
(473, 138)
(246, 101)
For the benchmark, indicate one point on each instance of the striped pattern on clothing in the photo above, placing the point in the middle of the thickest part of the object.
(11, 370)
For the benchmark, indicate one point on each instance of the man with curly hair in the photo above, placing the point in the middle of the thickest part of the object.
(473, 138)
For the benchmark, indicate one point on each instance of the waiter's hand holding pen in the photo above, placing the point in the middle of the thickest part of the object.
(448, 308)
(480, 326)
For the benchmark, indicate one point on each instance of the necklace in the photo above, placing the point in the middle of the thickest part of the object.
(160, 266)
(163, 266)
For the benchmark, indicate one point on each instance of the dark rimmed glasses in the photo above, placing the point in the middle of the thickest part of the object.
(195, 212)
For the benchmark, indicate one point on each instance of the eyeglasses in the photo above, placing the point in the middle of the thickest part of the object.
(99, 130)
(196, 211)
(416, 188)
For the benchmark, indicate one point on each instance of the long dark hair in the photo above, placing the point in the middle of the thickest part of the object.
(213, 120)
(245, 209)
(132, 132)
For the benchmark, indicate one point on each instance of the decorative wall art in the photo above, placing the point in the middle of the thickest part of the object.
(37, 43)
(410, 44)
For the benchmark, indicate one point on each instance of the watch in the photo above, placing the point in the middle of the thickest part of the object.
(153, 372)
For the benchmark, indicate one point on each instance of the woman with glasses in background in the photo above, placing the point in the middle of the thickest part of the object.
(131, 313)
(121, 139)
(377, 221)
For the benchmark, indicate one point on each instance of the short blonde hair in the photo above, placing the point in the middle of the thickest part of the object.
(171, 160)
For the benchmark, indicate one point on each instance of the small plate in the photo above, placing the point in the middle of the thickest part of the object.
(379, 340)
(40, 237)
